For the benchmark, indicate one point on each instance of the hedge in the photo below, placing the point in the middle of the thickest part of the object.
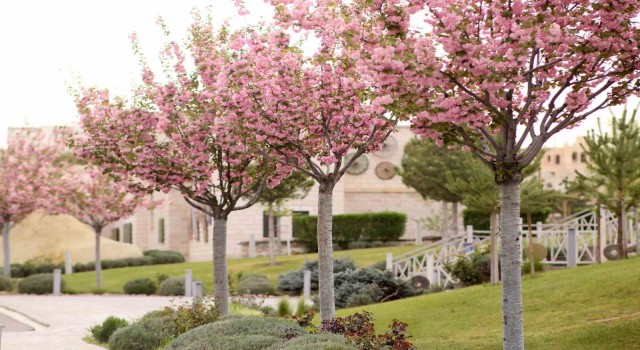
(38, 284)
(348, 228)
(480, 220)
(151, 257)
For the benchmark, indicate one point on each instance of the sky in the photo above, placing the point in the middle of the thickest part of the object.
(47, 46)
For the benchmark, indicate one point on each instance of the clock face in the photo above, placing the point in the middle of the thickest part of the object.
(359, 166)
(385, 170)
(388, 148)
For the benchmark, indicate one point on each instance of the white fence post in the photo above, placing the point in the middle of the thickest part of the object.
(603, 235)
(188, 280)
(67, 262)
(196, 288)
(1, 327)
(289, 246)
(469, 234)
(307, 285)
(430, 271)
(57, 281)
(252, 246)
(572, 249)
(389, 261)
(521, 241)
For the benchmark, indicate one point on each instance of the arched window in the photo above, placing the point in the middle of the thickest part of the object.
(583, 157)
(574, 156)
(558, 159)
(549, 159)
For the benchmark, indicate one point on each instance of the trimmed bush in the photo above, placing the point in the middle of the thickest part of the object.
(23, 270)
(6, 285)
(472, 269)
(140, 286)
(46, 268)
(102, 332)
(255, 284)
(348, 228)
(37, 284)
(164, 256)
(480, 220)
(147, 334)
(378, 285)
(235, 342)
(172, 286)
(207, 336)
(320, 341)
(292, 282)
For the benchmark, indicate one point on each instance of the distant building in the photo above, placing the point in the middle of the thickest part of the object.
(561, 163)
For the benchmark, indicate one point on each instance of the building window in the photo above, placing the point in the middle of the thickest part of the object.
(574, 156)
(127, 233)
(265, 225)
(558, 159)
(115, 234)
(583, 157)
(161, 230)
(549, 159)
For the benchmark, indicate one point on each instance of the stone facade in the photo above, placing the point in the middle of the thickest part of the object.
(561, 163)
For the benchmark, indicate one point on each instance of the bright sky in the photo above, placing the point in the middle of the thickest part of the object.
(46, 45)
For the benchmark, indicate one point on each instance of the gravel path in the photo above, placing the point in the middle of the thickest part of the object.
(61, 322)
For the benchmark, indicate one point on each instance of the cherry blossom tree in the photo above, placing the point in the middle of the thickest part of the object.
(29, 172)
(174, 136)
(96, 200)
(497, 78)
(309, 110)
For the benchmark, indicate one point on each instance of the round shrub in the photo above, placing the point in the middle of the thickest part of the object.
(164, 256)
(279, 328)
(255, 284)
(46, 268)
(23, 270)
(79, 267)
(321, 341)
(140, 286)
(146, 334)
(172, 286)
(235, 342)
(37, 284)
(5, 284)
(114, 264)
(102, 332)
(359, 299)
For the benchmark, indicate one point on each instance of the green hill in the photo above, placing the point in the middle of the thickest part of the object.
(591, 307)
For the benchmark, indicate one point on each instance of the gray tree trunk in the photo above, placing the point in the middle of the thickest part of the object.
(445, 220)
(513, 330)
(98, 262)
(325, 252)
(6, 249)
(454, 213)
(220, 276)
(272, 237)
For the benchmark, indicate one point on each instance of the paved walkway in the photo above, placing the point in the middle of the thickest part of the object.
(61, 322)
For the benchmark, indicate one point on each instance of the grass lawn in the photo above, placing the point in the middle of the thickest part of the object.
(114, 279)
(591, 307)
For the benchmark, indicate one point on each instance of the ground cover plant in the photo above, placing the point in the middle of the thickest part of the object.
(114, 279)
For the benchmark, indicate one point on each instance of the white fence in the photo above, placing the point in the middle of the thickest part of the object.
(574, 241)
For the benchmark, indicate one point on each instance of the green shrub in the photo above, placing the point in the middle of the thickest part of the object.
(378, 285)
(79, 267)
(185, 317)
(235, 342)
(480, 220)
(284, 308)
(348, 228)
(146, 334)
(537, 265)
(140, 286)
(164, 256)
(23, 270)
(172, 286)
(46, 268)
(320, 341)
(292, 282)
(37, 284)
(255, 284)
(301, 308)
(6, 285)
(359, 299)
(472, 269)
(206, 337)
(114, 264)
(98, 291)
(102, 332)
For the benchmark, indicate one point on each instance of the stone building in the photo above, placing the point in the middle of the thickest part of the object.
(371, 185)
(561, 163)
